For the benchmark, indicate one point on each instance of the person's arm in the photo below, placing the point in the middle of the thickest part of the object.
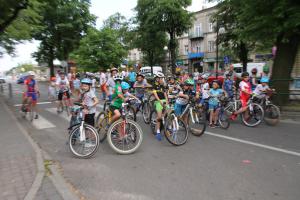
(96, 101)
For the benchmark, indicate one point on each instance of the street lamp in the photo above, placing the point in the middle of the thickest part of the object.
(221, 31)
(166, 49)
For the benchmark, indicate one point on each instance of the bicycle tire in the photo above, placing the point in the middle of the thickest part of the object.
(223, 119)
(202, 122)
(272, 115)
(256, 108)
(153, 121)
(101, 124)
(173, 135)
(131, 113)
(31, 113)
(74, 137)
(138, 135)
(146, 111)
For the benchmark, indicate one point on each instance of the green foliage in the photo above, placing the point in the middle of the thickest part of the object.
(19, 20)
(65, 23)
(99, 49)
(165, 16)
(21, 68)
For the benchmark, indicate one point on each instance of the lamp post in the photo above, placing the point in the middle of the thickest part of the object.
(167, 50)
(221, 31)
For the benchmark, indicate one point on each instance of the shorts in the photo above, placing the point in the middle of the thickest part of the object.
(213, 107)
(90, 119)
(178, 109)
(60, 95)
(244, 101)
(113, 108)
(158, 106)
(33, 96)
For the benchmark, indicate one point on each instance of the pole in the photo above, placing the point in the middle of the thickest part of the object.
(217, 51)
(10, 90)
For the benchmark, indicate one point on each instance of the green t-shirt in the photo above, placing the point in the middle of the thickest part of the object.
(117, 101)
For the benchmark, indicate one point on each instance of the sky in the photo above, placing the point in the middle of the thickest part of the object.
(101, 8)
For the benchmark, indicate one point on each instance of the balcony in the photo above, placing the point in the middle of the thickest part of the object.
(195, 36)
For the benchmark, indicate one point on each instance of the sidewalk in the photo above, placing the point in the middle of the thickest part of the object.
(21, 167)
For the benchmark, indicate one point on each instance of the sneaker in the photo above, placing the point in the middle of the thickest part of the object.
(158, 136)
(23, 108)
(212, 126)
(36, 116)
(216, 125)
(233, 117)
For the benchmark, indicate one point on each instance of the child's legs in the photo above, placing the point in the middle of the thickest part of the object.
(116, 115)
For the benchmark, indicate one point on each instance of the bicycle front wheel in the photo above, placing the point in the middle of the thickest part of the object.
(253, 117)
(197, 127)
(272, 115)
(125, 136)
(86, 148)
(223, 119)
(146, 110)
(176, 131)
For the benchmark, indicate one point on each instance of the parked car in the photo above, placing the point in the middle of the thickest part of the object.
(2, 80)
(22, 79)
(212, 77)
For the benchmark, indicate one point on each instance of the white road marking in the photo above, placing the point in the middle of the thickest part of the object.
(255, 144)
(42, 123)
(39, 103)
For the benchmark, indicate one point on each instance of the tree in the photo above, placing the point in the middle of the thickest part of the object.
(168, 16)
(19, 20)
(99, 48)
(65, 23)
(278, 22)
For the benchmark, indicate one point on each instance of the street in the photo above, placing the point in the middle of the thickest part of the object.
(239, 163)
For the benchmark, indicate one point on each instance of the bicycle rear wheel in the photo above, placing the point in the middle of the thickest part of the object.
(198, 128)
(272, 115)
(101, 124)
(254, 117)
(153, 121)
(86, 148)
(175, 132)
(125, 136)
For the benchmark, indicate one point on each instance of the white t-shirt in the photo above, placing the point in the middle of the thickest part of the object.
(93, 82)
(102, 78)
(62, 84)
(260, 88)
(205, 90)
(110, 84)
(88, 100)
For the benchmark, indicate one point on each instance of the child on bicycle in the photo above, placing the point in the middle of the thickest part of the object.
(31, 92)
(262, 88)
(117, 99)
(204, 90)
(245, 94)
(140, 87)
(183, 97)
(89, 101)
(173, 89)
(213, 103)
(52, 89)
(160, 94)
(63, 87)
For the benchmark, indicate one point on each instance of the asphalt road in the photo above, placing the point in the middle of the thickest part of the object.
(239, 163)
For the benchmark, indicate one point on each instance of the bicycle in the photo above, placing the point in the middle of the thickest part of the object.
(65, 103)
(175, 130)
(272, 112)
(124, 132)
(27, 108)
(255, 112)
(83, 138)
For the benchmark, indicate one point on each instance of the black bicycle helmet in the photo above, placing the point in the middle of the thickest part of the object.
(244, 74)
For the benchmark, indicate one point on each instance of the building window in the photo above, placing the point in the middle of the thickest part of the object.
(198, 48)
(186, 49)
(211, 46)
(198, 30)
(210, 27)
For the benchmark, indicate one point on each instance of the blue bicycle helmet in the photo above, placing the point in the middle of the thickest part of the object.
(264, 79)
(125, 86)
(86, 81)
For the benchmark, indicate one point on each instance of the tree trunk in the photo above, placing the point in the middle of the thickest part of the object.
(243, 55)
(172, 49)
(283, 65)
(50, 62)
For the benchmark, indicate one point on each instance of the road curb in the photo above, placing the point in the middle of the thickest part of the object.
(62, 186)
(39, 158)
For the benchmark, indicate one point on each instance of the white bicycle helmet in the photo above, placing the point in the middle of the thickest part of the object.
(118, 77)
(159, 75)
(31, 73)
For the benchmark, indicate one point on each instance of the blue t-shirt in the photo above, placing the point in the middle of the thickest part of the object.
(132, 76)
(214, 93)
(228, 87)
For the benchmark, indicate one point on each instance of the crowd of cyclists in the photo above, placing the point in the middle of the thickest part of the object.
(168, 93)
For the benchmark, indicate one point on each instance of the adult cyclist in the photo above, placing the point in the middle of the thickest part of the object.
(63, 87)
(31, 92)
